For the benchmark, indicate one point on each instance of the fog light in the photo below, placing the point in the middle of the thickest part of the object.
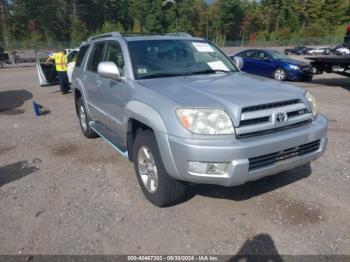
(207, 168)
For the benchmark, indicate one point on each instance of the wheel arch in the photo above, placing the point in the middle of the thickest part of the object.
(284, 68)
(141, 116)
(77, 95)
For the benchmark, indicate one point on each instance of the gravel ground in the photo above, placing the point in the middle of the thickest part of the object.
(63, 194)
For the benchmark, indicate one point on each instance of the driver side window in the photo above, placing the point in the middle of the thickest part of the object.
(249, 54)
(96, 57)
(114, 54)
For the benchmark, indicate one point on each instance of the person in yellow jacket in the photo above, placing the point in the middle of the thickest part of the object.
(60, 60)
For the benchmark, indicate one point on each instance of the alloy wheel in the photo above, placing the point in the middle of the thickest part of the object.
(83, 118)
(148, 169)
(280, 75)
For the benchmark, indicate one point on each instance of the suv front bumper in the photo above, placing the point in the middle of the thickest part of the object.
(238, 152)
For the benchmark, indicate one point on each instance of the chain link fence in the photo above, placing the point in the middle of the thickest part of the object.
(34, 45)
(310, 41)
(24, 51)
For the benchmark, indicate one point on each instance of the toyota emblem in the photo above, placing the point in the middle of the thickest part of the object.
(281, 117)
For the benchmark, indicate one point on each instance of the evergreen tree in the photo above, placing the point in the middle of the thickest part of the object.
(64, 20)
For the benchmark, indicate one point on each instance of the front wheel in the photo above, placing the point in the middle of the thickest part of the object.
(308, 79)
(280, 75)
(157, 186)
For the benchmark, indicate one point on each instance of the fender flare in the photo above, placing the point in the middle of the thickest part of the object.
(145, 114)
(150, 117)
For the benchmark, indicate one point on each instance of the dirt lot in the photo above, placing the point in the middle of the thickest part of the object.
(63, 194)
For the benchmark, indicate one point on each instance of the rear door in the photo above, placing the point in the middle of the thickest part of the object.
(112, 92)
(249, 58)
(46, 72)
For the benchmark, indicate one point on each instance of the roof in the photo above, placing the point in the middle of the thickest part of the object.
(145, 36)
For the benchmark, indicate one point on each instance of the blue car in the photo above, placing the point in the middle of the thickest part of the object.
(271, 63)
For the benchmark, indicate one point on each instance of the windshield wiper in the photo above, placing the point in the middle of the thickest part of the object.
(210, 71)
(159, 75)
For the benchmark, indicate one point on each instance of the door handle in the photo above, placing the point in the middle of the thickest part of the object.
(99, 83)
(84, 77)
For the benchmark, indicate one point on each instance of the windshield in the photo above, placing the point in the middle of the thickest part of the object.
(278, 56)
(164, 58)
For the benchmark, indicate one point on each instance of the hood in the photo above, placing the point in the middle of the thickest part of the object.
(294, 62)
(231, 91)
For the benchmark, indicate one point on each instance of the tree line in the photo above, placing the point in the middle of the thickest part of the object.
(245, 21)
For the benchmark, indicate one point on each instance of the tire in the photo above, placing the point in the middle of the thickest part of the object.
(84, 120)
(280, 74)
(161, 189)
(309, 79)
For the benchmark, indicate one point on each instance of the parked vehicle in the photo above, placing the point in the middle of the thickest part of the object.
(333, 49)
(318, 51)
(72, 56)
(47, 72)
(334, 64)
(299, 50)
(327, 50)
(181, 110)
(342, 51)
(271, 63)
(4, 58)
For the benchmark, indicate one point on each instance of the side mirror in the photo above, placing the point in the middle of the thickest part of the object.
(238, 61)
(108, 70)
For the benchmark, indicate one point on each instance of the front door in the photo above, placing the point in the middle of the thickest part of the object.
(46, 72)
(112, 92)
(264, 64)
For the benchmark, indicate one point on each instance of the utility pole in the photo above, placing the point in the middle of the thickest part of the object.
(207, 31)
(74, 8)
(3, 22)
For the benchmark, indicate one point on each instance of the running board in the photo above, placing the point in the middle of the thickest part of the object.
(107, 136)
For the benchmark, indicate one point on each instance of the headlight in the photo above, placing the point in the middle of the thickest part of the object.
(313, 103)
(294, 67)
(205, 121)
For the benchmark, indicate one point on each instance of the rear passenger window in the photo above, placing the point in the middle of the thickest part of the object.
(96, 57)
(114, 54)
(81, 55)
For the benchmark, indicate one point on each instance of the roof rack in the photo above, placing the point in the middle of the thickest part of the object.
(110, 34)
(179, 34)
(117, 34)
(155, 34)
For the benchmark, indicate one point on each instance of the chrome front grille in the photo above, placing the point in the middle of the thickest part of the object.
(272, 117)
(270, 159)
(270, 105)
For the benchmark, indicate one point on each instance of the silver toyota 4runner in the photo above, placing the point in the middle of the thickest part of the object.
(181, 111)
